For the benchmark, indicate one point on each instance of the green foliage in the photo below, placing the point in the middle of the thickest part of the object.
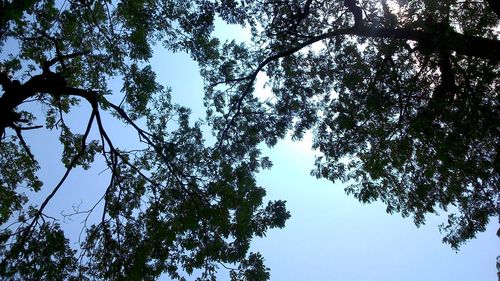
(139, 85)
(401, 110)
(173, 205)
(45, 255)
(251, 269)
(403, 107)
(72, 145)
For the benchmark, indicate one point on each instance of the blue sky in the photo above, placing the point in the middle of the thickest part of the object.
(330, 236)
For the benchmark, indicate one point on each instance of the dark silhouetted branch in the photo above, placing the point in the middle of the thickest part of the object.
(452, 41)
(23, 143)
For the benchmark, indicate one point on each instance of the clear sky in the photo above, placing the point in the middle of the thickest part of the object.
(330, 236)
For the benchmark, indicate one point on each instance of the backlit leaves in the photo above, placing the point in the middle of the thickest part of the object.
(172, 205)
(376, 106)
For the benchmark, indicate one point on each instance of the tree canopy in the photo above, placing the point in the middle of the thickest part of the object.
(401, 96)
(173, 204)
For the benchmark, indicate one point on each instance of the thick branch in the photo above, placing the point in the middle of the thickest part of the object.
(461, 44)
(356, 11)
(449, 41)
(16, 93)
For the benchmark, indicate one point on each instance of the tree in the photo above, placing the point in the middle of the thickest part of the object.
(401, 96)
(173, 204)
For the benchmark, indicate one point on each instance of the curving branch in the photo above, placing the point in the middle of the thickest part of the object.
(26, 231)
(72, 164)
(465, 45)
(444, 43)
(236, 107)
(19, 134)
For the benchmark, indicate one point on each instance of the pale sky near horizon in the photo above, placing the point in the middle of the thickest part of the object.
(330, 235)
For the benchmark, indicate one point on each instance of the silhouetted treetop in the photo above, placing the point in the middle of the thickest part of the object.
(173, 205)
(401, 96)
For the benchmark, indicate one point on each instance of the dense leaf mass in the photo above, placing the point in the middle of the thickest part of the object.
(173, 205)
(401, 96)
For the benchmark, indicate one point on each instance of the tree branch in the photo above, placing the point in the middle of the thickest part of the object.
(356, 11)
(60, 58)
(23, 142)
(452, 41)
(236, 107)
(28, 230)
(461, 44)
